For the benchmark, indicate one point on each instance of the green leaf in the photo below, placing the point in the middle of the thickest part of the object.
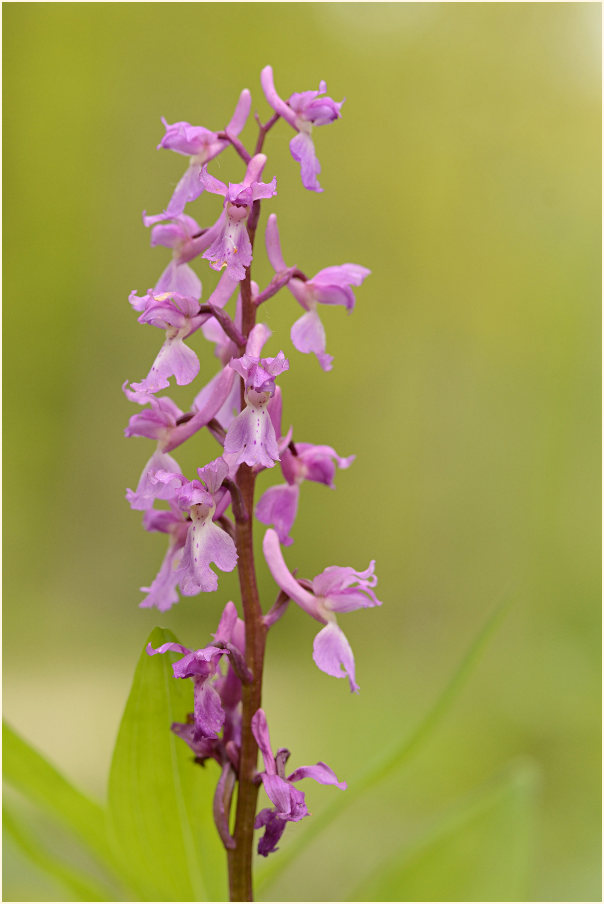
(41, 784)
(160, 801)
(480, 851)
(82, 886)
(386, 764)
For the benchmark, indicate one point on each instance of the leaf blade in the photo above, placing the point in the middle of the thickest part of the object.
(160, 802)
(43, 785)
(83, 886)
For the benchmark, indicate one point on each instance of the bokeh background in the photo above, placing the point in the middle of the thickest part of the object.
(465, 174)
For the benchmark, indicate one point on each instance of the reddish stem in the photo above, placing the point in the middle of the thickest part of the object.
(241, 150)
(240, 857)
(263, 129)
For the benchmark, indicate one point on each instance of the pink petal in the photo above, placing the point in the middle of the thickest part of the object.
(210, 183)
(213, 474)
(209, 714)
(251, 436)
(270, 92)
(188, 189)
(206, 408)
(333, 655)
(257, 339)
(335, 295)
(206, 543)
(308, 335)
(287, 799)
(275, 407)
(223, 291)
(320, 773)
(165, 647)
(319, 462)
(341, 275)
(169, 235)
(264, 189)
(273, 244)
(274, 828)
(227, 623)
(148, 490)
(254, 169)
(231, 249)
(241, 113)
(303, 150)
(162, 592)
(174, 359)
(179, 278)
(278, 507)
(263, 739)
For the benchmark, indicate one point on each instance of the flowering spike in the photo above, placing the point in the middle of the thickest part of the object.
(208, 521)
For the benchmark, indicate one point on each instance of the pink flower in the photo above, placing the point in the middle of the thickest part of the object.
(201, 146)
(232, 248)
(205, 543)
(179, 316)
(202, 667)
(251, 436)
(289, 802)
(303, 111)
(329, 286)
(335, 590)
(154, 423)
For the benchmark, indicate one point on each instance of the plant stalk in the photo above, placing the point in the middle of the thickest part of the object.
(240, 858)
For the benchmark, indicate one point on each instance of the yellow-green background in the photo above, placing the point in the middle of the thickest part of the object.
(465, 174)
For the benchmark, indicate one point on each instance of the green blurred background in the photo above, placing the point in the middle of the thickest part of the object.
(465, 174)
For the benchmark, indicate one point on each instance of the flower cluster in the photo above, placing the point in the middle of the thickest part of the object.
(207, 518)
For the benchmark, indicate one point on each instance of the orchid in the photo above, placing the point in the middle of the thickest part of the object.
(251, 435)
(329, 286)
(289, 803)
(154, 423)
(336, 589)
(303, 111)
(202, 667)
(179, 316)
(232, 247)
(206, 543)
(208, 520)
(200, 145)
